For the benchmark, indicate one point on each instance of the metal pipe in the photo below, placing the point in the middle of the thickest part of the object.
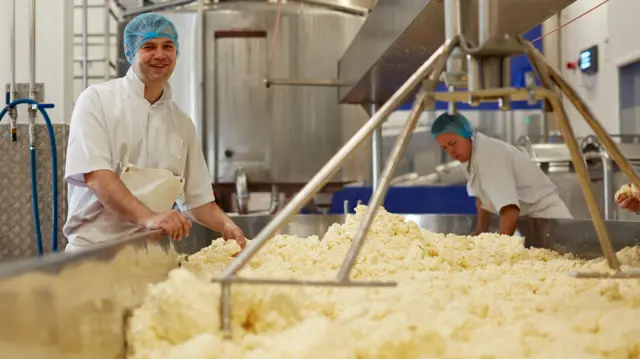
(543, 68)
(85, 47)
(488, 12)
(225, 309)
(376, 150)
(275, 200)
(491, 69)
(32, 72)
(452, 29)
(32, 49)
(107, 40)
(268, 82)
(607, 183)
(242, 191)
(381, 192)
(332, 166)
(13, 92)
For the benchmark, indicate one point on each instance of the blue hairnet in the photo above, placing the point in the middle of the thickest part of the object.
(446, 123)
(144, 28)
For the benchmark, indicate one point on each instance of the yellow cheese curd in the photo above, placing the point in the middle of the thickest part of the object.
(457, 297)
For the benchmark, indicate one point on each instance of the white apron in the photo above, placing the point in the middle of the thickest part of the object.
(156, 188)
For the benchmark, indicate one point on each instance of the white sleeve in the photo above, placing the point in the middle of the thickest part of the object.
(498, 179)
(197, 185)
(88, 147)
(470, 190)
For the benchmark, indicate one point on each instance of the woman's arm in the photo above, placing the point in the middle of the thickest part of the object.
(484, 219)
(509, 219)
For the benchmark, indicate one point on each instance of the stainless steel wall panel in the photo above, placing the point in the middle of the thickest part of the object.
(17, 232)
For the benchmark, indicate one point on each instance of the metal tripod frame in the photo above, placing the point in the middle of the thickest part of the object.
(427, 76)
(431, 69)
(551, 78)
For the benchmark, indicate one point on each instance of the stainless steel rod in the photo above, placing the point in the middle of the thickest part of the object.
(332, 166)
(32, 49)
(381, 192)
(85, 47)
(607, 183)
(225, 309)
(542, 67)
(319, 283)
(376, 150)
(107, 40)
(12, 90)
(303, 82)
(452, 29)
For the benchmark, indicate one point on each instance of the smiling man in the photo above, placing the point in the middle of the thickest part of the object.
(502, 178)
(133, 154)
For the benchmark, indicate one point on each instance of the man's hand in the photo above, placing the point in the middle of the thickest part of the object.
(628, 202)
(174, 223)
(232, 231)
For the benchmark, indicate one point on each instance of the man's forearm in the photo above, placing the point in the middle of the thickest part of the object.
(115, 196)
(211, 216)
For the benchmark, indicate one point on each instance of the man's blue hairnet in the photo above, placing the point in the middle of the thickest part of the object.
(446, 123)
(144, 28)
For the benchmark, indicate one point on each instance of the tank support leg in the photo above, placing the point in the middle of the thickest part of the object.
(576, 156)
(550, 78)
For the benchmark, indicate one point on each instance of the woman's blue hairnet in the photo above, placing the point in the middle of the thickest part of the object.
(447, 123)
(144, 28)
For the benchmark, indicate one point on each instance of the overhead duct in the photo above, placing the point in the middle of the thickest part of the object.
(400, 35)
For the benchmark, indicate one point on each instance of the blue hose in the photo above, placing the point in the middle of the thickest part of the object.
(34, 201)
(54, 174)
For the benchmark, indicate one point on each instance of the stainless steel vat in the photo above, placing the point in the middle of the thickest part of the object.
(67, 306)
(606, 178)
(282, 134)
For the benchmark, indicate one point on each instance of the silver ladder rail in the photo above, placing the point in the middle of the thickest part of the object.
(85, 61)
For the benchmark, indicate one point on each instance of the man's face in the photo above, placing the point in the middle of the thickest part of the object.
(155, 60)
(455, 146)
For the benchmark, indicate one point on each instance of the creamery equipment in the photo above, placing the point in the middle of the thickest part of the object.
(42, 320)
(484, 78)
(554, 158)
(278, 135)
(100, 309)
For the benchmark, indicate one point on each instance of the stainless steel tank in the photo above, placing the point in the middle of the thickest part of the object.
(554, 159)
(280, 134)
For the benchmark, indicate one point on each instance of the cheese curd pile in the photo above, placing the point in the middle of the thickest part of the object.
(457, 297)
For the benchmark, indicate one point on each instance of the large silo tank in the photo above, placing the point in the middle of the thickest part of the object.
(280, 134)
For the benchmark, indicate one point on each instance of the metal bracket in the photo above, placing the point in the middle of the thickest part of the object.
(302, 82)
(22, 91)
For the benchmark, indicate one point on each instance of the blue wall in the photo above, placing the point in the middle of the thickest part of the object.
(410, 200)
(519, 67)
